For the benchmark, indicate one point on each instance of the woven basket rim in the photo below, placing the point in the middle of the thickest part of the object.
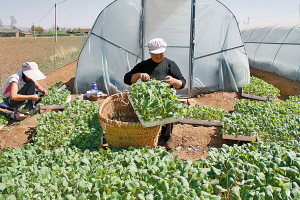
(109, 121)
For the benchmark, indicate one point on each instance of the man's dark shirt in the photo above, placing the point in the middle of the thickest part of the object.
(156, 70)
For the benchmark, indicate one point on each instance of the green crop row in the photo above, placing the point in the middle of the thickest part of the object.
(3, 120)
(273, 121)
(259, 87)
(204, 113)
(56, 96)
(252, 171)
(78, 125)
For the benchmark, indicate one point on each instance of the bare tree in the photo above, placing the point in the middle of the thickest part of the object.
(1, 24)
(13, 22)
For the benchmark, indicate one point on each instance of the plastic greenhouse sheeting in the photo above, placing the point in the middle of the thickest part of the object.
(274, 47)
(202, 35)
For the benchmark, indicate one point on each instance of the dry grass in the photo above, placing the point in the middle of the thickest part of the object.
(49, 55)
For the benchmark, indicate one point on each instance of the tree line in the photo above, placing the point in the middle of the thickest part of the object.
(13, 22)
(37, 28)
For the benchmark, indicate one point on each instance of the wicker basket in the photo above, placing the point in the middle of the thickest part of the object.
(121, 125)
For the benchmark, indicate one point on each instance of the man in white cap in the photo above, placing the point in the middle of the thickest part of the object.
(20, 88)
(160, 68)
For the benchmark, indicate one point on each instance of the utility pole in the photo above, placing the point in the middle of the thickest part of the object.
(33, 30)
(55, 25)
(248, 20)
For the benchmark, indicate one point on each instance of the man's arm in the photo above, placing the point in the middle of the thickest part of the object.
(133, 75)
(19, 97)
(179, 81)
(40, 88)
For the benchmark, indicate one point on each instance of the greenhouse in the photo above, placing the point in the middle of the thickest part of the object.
(274, 47)
(202, 35)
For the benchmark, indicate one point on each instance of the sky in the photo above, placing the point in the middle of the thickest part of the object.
(83, 13)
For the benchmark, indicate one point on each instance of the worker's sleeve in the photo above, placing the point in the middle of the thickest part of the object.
(128, 75)
(176, 73)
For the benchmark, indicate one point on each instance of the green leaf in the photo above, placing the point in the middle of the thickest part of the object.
(235, 192)
(11, 197)
(245, 189)
(132, 169)
(81, 185)
(216, 171)
(296, 193)
(2, 186)
(21, 192)
(286, 193)
(184, 182)
(269, 191)
(164, 186)
(70, 197)
(219, 189)
(214, 197)
(141, 196)
(149, 197)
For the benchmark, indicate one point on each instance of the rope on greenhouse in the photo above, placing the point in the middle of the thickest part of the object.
(218, 52)
(179, 47)
(115, 45)
(273, 43)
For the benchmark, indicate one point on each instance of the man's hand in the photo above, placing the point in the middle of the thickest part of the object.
(144, 76)
(136, 77)
(45, 92)
(173, 81)
(170, 80)
(35, 97)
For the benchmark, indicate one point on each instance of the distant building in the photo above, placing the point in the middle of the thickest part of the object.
(9, 33)
(14, 33)
(86, 31)
(26, 34)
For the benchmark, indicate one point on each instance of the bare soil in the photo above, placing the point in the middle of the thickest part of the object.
(191, 141)
(47, 53)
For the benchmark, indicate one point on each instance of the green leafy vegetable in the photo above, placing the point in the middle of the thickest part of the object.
(60, 129)
(55, 96)
(259, 87)
(204, 113)
(273, 121)
(155, 100)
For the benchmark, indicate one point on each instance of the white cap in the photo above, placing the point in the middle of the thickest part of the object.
(31, 70)
(157, 46)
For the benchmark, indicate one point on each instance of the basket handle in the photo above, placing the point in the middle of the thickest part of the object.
(120, 95)
(121, 128)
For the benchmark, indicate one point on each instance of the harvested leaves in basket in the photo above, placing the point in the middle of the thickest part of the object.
(155, 100)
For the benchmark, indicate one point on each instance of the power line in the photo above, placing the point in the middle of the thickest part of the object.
(46, 14)
(50, 10)
(61, 2)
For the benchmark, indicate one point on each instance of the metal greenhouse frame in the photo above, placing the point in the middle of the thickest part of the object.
(202, 35)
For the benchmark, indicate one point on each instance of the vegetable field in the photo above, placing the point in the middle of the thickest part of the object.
(66, 160)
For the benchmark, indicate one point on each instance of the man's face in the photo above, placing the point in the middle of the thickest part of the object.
(157, 57)
(27, 78)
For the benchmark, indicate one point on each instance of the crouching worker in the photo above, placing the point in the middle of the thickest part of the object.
(20, 89)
